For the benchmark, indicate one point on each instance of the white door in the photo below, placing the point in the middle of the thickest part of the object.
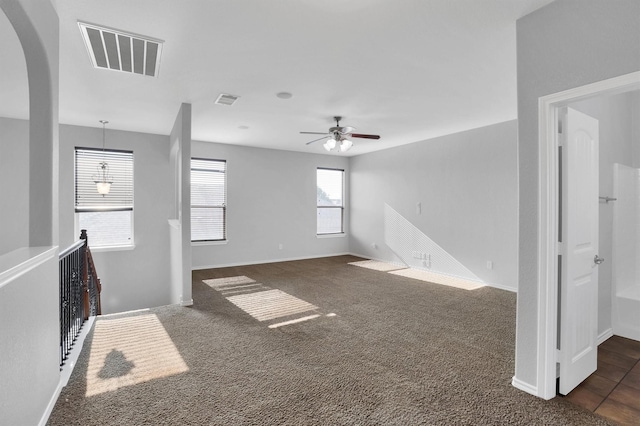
(579, 265)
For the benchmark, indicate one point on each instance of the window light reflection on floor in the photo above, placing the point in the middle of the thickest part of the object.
(130, 350)
(270, 304)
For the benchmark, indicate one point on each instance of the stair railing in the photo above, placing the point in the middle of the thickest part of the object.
(79, 292)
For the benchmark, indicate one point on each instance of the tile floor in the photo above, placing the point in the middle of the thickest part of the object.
(613, 391)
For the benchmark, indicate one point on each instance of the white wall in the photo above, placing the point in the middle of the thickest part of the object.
(138, 278)
(180, 212)
(29, 336)
(635, 128)
(466, 184)
(567, 44)
(271, 200)
(615, 117)
(14, 184)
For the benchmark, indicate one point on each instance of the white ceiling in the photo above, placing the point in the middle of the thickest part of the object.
(407, 70)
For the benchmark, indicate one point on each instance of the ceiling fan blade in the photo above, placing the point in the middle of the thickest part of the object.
(316, 140)
(314, 133)
(361, 135)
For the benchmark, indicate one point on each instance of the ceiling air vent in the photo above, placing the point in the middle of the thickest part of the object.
(225, 99)
(120, 51)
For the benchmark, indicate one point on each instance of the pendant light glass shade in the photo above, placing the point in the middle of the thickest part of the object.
(103, 181)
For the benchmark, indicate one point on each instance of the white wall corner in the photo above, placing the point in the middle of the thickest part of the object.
(602, 337)
(524, 386)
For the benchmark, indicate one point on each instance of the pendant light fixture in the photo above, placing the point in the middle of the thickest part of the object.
(102, 179)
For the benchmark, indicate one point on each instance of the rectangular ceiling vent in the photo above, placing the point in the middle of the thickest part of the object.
(225, 99)
(120, 51)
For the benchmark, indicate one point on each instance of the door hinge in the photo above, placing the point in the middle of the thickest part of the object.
(561, 120)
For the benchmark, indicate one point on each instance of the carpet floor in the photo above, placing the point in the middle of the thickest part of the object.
(398, 351)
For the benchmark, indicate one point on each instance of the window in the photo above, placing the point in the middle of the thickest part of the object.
(330, 190)
(107, 218)
(208, 200)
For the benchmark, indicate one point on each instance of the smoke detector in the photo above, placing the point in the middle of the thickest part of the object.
(117, 50)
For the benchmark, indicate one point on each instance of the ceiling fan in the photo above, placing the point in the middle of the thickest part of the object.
(338, 135)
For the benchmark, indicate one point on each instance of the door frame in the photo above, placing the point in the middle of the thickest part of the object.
(548, 208)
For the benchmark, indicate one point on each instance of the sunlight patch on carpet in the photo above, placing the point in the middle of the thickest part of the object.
(235, 285)
(294, 321)
(377, 265)
(270, 304)
(217, 283)
(431, 277)
(131, 350)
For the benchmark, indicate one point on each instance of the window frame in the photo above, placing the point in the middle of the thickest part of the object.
(223, 206)
(130, 243)
(341, 206)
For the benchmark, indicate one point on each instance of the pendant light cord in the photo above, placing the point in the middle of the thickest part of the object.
(104, 124)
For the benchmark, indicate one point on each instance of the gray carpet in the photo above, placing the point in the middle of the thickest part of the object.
(398, 352)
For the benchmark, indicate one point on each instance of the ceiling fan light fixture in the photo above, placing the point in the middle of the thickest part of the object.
(330, 144)
(345, 145)
(338, 136)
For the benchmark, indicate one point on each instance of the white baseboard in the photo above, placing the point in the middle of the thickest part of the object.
(260, 262)
(502, 287)
(404, 265)
(401, 264)
(133, 311)
(67, 368)
(524, 386)
(186, 302)
(289, 259)
(52, 403)
(604, 335)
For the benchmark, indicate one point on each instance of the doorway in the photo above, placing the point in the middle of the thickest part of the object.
(549, 218)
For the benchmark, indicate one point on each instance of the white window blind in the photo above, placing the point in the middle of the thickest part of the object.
(330, 205)
(108, 219)
(208, 199)
(120, 196)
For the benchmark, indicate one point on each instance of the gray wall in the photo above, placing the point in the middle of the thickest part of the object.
(138, 278)
(616, 120)
(271, 200)
(466, 184)
(567, 44)
(14, 184)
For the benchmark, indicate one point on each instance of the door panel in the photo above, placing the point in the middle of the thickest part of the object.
(579, 278)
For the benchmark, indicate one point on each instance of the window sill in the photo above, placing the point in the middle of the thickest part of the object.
(208, 243)
(111, 248)
(338, 235)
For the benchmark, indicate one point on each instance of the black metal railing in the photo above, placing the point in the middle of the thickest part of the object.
(79, 293)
